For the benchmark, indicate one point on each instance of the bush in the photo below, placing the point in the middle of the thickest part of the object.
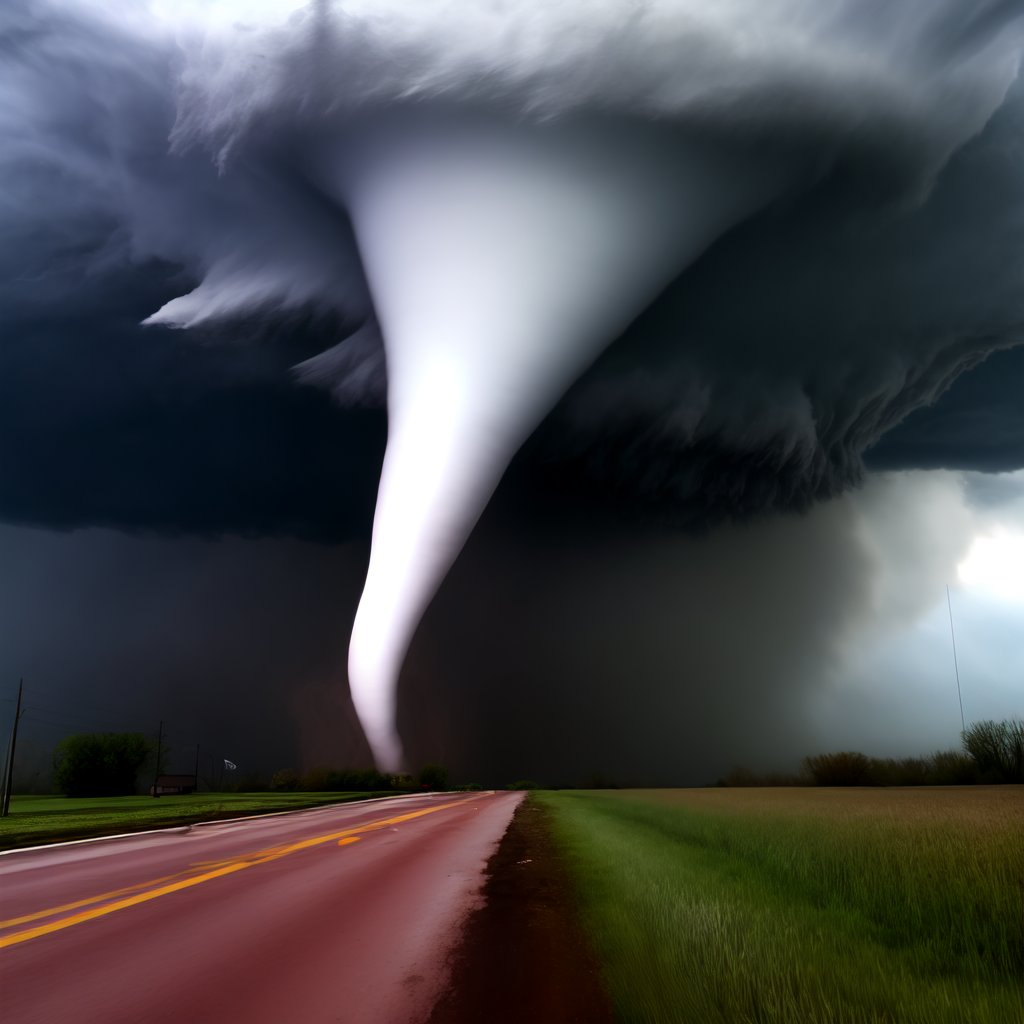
(903, 771)
(100, 764)
(846, 768)
(525, 784)
(997, 749)
(433, 777)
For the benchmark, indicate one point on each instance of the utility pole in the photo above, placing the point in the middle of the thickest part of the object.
(5, 802)
(196, 775)
(159, 745)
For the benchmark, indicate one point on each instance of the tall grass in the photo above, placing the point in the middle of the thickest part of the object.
(803, 906)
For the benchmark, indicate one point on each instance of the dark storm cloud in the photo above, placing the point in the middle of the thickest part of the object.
(233, 644)
(802, 221)
(988, 490)
(815, 333)
(103, 422)
(978, 424)
(801, 340)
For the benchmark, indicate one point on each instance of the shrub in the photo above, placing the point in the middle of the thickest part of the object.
(526, 784)
(433, 777)
(903, 771)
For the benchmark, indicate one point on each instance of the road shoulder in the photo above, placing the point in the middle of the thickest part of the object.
(524, 956)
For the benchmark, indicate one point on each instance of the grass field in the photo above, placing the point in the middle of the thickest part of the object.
(803, 905)
(35, 820)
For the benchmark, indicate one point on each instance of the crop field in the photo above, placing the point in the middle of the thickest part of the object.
(35, 820)
(802, 905)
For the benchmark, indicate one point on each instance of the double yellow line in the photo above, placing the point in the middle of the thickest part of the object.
(133, 895)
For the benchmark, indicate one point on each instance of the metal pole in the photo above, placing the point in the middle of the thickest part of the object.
(956, 668)
(159, 744)
(5, 803)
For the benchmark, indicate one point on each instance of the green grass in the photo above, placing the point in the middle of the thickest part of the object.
(35, 820)
(803, 905)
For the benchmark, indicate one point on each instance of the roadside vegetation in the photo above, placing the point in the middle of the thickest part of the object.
(809, 905)
(35, 820)
(99, 774)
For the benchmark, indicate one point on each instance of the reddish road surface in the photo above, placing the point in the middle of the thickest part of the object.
(341, 914)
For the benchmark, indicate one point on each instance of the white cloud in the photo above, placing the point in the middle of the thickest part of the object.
(995, 564)
(895, 693)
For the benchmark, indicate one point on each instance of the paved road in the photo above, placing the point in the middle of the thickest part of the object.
(341, 914)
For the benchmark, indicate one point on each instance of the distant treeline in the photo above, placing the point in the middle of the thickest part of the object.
(108, 764)
(993, 753)
(364, 780)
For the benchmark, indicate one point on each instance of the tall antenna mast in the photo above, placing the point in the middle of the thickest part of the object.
(956, 668)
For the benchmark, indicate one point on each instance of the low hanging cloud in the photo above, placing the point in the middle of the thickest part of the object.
(715, 254)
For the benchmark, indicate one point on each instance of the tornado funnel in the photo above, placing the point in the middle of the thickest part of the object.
(501, 260)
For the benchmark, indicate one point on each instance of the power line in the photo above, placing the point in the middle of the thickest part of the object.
(956, 667)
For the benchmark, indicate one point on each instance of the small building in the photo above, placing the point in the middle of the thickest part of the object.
(173, 785)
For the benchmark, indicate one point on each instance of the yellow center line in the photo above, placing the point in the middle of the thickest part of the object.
(88, 901)
(344, 837)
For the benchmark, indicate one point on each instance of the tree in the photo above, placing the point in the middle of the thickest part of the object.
(997, 749)
(100, 764)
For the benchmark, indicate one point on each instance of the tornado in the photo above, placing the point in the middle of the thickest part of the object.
(501, 258)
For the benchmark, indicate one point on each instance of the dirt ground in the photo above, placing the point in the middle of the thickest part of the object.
(524, 958)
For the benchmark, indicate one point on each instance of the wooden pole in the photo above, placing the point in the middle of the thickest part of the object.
(5, 802)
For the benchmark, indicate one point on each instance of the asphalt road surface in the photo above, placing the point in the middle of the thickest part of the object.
(343, 914)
